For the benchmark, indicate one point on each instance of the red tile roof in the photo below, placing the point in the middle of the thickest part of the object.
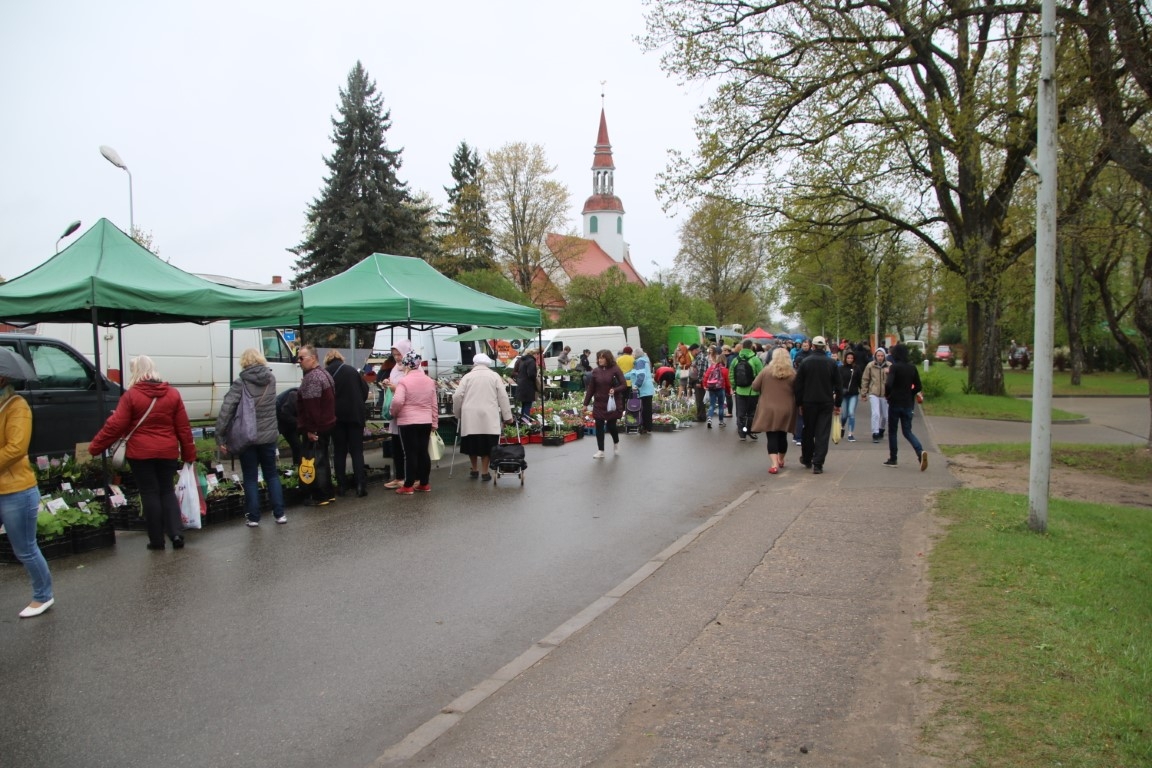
(602, 159)
(603, 203)
(591, 261)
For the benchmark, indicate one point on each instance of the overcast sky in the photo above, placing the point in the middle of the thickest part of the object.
(221, 110)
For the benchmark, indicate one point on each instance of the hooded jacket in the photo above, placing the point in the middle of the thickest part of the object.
(261, 385)
(641, 378)
(757, 366)
(875, 374)
(164, 434)
(351, 392)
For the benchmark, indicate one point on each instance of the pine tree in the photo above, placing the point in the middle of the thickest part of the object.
(466, 230)
(364, 207)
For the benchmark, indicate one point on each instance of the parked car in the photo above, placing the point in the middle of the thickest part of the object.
(943, 353)
(1018, 357)
(65, 404)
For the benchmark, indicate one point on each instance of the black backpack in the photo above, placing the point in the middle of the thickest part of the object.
(744, 373)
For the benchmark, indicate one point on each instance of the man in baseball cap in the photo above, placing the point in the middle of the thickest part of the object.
(817, 389)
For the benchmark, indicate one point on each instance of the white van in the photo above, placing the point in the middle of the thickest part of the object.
(191, 357)
(440, 357)
(611, 337)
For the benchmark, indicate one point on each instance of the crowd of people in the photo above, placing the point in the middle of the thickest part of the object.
(799, 388)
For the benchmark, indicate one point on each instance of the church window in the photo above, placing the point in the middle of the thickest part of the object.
(592, 225)
(619, 225)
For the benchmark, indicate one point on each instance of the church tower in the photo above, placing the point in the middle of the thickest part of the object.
(603, 211)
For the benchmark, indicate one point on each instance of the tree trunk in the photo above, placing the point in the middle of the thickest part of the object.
(1070, 278)
(982, 356)
(1144, 320)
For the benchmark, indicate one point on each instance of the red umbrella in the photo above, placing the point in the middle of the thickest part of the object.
(759, 333)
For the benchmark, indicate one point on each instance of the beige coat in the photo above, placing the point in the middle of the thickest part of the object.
(872, 382)
(481, 402)
(776, 408)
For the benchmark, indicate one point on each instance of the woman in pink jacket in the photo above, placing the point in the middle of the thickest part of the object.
(414, 410)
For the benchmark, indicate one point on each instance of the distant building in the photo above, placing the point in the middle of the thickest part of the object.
(603, 245)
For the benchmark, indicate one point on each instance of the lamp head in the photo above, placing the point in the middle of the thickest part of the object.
(71, 228)
(111, 156)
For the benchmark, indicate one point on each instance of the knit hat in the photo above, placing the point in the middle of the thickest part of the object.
(627, 350)
(482, 359)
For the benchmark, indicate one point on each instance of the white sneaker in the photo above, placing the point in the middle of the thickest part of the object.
(598, 455)
(616, 448)
(282, 519)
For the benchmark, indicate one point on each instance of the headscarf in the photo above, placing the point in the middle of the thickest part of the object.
(411, 361)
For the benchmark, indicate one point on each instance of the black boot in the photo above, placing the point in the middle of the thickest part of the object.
(341, 485)
(361, 489)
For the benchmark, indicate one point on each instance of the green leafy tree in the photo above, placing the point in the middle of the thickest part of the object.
(364, 208)
(722, 260)
(465, 227)
(526, 205)
(916, 117)
(493, 283)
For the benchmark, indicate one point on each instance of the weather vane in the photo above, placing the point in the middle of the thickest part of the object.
(602, 84)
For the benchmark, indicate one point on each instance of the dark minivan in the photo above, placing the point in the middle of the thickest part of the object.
(65, 408)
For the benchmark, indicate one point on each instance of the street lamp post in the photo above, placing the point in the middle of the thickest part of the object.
(113, 157)
(68, 231)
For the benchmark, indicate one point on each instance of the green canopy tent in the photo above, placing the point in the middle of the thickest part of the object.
(484, 333)
(107, 278)
(397, 290)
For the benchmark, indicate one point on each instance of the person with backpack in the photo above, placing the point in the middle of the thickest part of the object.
(715, 382)
(246, 428)
(286, 422)
(743, 371)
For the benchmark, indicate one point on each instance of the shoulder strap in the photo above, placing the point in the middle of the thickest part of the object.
(142, 418)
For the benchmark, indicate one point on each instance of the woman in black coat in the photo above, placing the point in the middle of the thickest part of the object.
(607, 379)
(348, 434)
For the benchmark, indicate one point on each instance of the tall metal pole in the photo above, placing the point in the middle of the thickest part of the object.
(1041, 457)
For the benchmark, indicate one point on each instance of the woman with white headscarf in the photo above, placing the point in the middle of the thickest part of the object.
(481, 405)
(415, 412)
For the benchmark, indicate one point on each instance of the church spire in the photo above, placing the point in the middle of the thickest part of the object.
(604, 212)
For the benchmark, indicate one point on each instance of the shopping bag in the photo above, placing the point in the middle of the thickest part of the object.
(118, 453)
(836, 429)
(611, 405)
(188, 494)
(307, 470)
(435, 447)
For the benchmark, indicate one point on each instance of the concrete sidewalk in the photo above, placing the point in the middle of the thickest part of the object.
(785, 630)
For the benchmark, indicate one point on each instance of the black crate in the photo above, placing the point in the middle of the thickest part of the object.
(86, 539)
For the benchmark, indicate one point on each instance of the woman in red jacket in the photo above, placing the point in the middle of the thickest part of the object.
(154, 414)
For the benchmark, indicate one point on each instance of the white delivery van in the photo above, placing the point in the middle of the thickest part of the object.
(439, 356)
(611, 337)
(191, 357)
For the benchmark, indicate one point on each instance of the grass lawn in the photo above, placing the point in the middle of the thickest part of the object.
(1047, 634)
(985, 407)
(1129, 463)
(1019, 383)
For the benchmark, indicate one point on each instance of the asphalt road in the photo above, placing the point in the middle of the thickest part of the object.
(327, 640)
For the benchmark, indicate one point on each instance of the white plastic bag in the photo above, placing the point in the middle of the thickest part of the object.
(435, 447)
(188, 494)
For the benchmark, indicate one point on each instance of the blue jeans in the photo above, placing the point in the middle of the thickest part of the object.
(253, 459)
(715, 401)
(848, 412)
(901, 415)
(18, 514)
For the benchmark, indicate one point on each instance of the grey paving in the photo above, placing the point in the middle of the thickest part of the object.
(673, 606)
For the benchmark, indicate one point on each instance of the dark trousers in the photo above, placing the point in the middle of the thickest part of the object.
(398, 462)
(901, 416)
(292, 436)
(348, 438)
(417, 463)
(777, 442)
(611, 424)
(745, 411)
(322, 489)
(700, 410)
(646, 413)
(817, 433)
(156, 479)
